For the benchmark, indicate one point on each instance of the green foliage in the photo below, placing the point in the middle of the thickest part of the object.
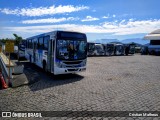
(4, 40)
(18, 39)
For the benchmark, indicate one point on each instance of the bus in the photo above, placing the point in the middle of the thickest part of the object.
(129, 48)
(95, 49)
(58, 52)
(109, 49)
(99, 49)
(119, 49)
(90, 48)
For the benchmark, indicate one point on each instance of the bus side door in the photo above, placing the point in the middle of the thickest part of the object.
(50, 54)
(34, 50)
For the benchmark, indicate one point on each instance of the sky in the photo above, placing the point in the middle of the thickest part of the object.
(99, 19)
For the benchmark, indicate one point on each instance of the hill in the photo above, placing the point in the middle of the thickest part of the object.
(135, 40)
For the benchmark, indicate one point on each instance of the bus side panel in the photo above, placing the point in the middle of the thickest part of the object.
(39, 57)
(29, 54)
(49, 56)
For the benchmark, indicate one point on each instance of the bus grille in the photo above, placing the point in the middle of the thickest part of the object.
(72, 69)
(72, 62)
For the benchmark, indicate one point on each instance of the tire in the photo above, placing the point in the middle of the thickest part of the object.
(44, 66)
(30, 59)
(153, 52)
(115, 52)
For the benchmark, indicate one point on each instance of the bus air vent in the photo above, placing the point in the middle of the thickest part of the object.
(73, 62)
(72, 69)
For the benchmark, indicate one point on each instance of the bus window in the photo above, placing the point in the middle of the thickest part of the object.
(46, 39)
(40, 43)
(26, 44)
(30, 44)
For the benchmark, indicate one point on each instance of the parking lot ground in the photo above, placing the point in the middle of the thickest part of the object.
(117, 83)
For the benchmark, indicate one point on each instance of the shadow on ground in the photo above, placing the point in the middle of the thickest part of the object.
(38, 79)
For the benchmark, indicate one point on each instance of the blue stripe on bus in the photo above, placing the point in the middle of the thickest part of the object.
(40, 51)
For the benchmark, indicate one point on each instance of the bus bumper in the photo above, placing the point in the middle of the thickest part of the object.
(58, 71)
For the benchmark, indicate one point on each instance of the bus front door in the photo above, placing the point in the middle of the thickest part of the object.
(34, 51)
(50, 56)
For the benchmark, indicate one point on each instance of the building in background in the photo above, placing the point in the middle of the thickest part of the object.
(154, 46)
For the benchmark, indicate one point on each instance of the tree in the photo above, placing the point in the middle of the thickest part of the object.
(3, 40)
(18, 40)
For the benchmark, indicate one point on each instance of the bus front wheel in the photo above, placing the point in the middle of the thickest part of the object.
(152, 52)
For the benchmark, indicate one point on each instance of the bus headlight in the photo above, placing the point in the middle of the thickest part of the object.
(83, 63)
(58, 64)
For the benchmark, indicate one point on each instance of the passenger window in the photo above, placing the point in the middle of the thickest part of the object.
(40, 43)
(46, 39)
(30, 44)
(26, 43)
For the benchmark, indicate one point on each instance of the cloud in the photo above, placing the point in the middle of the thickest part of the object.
(105, 17)
(89, 18)
(123, 21)
(131, 19)
(40, 11)
(119, 28)
(113, 16)
(70, 27)
(49, 20)
(132, 27)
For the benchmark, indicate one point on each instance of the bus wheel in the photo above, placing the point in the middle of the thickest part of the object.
(153, 52)
(30, 59)
(44, 66)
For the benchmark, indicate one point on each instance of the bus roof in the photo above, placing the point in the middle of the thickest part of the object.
(52, 32)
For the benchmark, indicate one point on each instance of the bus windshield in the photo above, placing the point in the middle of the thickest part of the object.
(91, 46)
(119, 48)
(99, 48)
(71, 49)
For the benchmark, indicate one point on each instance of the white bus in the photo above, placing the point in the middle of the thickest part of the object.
(119, 49)
(90, 48)
(58, 52)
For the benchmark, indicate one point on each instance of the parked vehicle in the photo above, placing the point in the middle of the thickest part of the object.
(109, 49)
(90, 48)
(129, 49)
(99, 49)
(58, 52)
(119, 49)
(95, 49)
(144, 50)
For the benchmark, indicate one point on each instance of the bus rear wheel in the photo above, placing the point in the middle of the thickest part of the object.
(152, 52)
(30, 58)
(44, 66)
